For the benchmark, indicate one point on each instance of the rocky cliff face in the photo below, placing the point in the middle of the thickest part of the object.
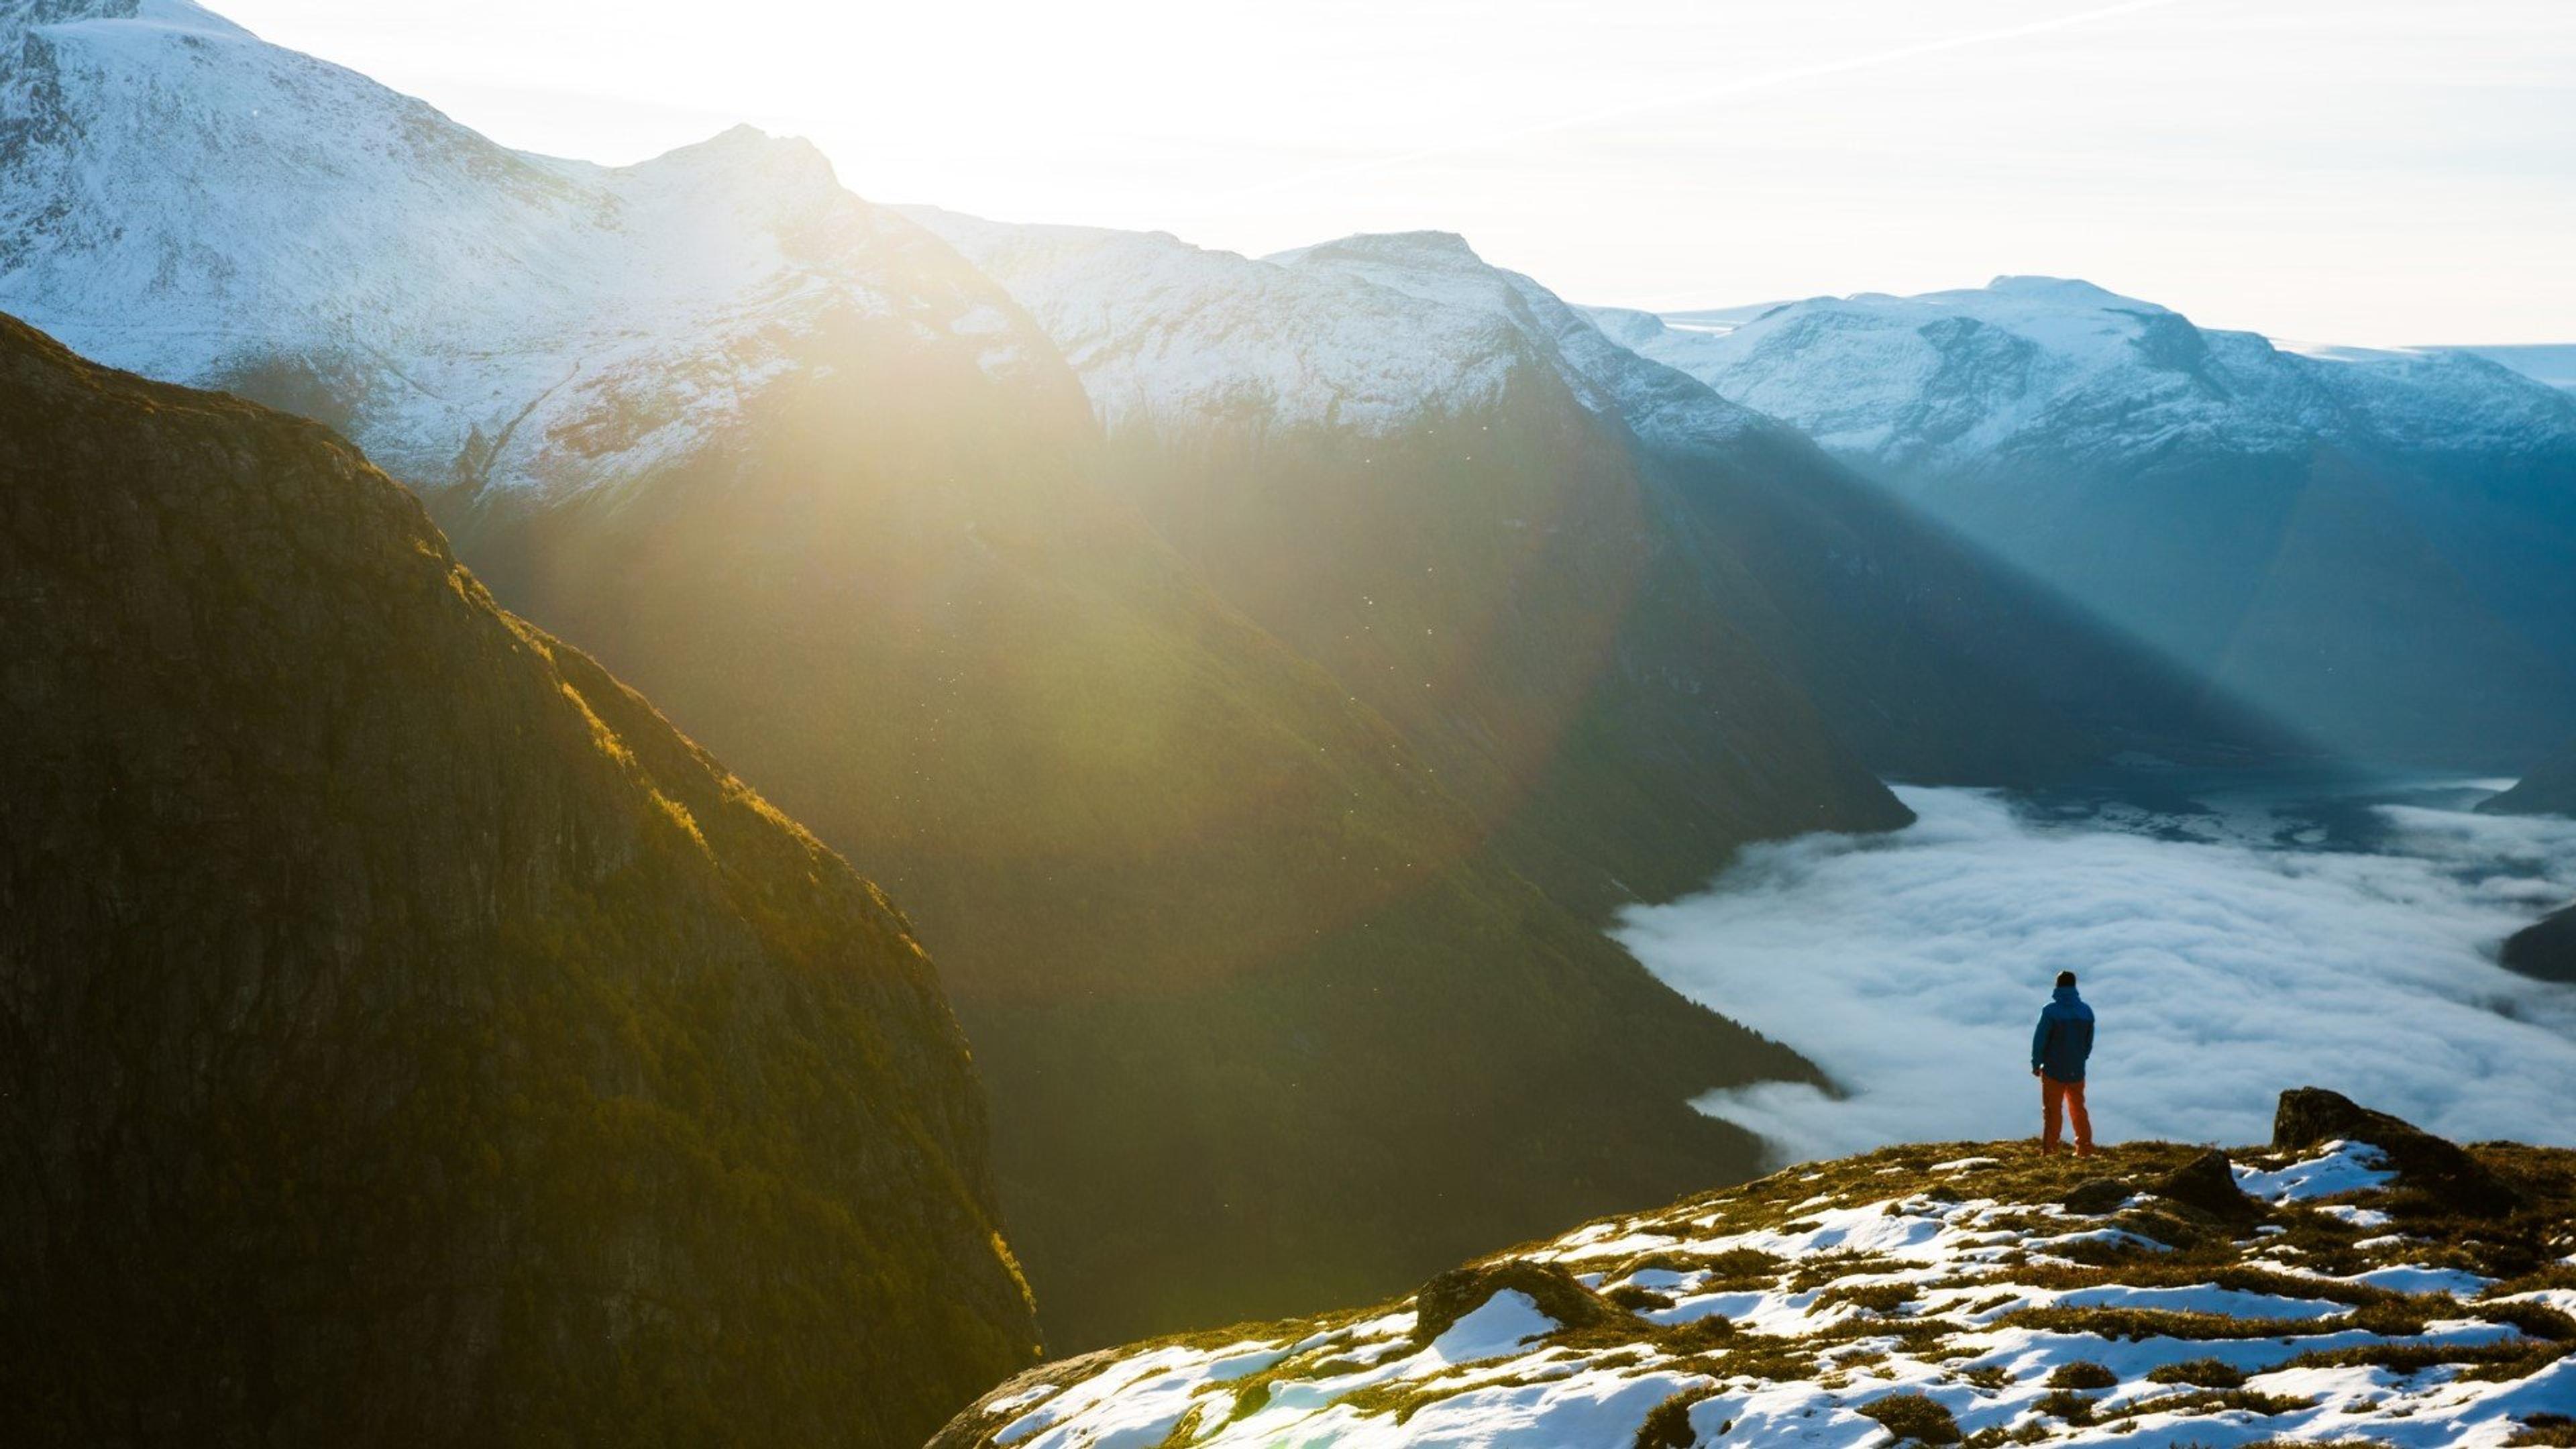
(405, 1034)
(2354, 1278)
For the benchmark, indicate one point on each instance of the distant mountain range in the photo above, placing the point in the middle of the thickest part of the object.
(406, 1036)
(2370, 546)
(1570, 539)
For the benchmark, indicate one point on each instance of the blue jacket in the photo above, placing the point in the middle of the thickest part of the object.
(2064, 1038)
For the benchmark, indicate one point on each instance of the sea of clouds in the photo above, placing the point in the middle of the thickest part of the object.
(1911, 967)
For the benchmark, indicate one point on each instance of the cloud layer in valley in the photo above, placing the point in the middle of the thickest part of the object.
(1911, 967)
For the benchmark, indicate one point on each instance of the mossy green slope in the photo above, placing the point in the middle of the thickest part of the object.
(405, 1034)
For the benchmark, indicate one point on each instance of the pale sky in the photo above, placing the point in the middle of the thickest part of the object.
(2361, 171)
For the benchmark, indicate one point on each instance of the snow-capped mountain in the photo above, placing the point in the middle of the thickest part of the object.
(2027, 363)
(1407, 389)
(2370, 543)
(183, 200)
(1417, 469)
(2353, 1280)
(1369, 333)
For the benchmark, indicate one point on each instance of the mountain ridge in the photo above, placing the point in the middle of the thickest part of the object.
(411, 1036)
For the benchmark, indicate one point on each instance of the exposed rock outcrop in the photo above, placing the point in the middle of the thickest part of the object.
(2428, 1164)
(2208, 1182)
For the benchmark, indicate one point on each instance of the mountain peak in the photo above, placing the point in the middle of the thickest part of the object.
(747, 144)
(1447, 248)
(2064, 291)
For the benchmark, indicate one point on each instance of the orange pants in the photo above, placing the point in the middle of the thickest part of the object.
(2056, 1096)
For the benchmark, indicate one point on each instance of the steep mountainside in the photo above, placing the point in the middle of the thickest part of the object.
(1375, 450)
(2371, 546)
(2356, 1281)
(1234, 955)
(405, 1034)
(2547, 788)
(1557, 561)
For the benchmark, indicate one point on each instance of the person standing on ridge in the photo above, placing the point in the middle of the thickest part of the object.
(2057, 1052)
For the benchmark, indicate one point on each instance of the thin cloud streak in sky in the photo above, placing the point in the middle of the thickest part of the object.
(1910, 967)
(1747, 85)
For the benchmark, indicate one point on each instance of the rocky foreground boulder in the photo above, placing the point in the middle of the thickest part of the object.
(406, 1036)
(2356, 1280)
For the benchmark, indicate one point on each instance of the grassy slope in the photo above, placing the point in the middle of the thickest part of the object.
(1926, 1287)
(405, 1035)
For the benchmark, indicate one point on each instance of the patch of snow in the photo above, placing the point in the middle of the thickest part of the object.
(2416, 1278)
(1498, 1326)
(2562, 1299)
(2200, 1298)
(1135, 1403)
(2343, 1167)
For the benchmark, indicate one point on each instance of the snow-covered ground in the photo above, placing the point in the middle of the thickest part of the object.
(2222, 959)
(1949, 1300)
